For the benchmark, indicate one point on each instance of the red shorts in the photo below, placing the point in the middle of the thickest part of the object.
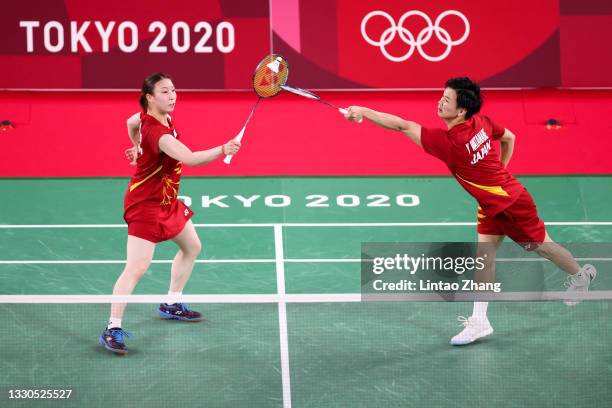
(166, 224)
(520, 222)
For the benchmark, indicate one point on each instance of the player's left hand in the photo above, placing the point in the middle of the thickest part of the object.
(132, 155)
(231, 147)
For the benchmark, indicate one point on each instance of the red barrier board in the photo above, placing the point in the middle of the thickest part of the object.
(84, 133)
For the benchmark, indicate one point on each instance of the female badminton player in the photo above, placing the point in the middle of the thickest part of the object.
(151, 208)
(505, 207)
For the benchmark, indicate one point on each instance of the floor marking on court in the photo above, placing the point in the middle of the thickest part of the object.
(308, 298)
(117, 261)
(256, 261)
(282, 315)
(297, 225)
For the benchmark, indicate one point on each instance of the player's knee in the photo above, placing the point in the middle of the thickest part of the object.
(193, 250)
(486, 253)
(136, 269)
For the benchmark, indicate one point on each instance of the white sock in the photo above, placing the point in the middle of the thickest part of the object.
(174, 297)
(480, 310)
(114, 322)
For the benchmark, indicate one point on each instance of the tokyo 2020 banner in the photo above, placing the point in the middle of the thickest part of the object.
(330, 44)
(111, 44)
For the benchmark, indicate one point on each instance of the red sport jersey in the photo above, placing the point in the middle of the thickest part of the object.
(469, 151)
(151, 196)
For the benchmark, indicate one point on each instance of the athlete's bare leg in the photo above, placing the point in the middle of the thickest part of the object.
(139, 255)
(558, 255)
(487, 249)
(189, 250)
(478, 326)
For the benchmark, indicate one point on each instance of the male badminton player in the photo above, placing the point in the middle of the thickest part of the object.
(151, 208)
(505, 207)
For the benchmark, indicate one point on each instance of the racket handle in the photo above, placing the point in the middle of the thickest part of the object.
(345, 112)
(238, 138)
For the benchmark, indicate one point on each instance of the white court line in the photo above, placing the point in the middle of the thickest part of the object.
(293, 224)
(42, 226)
(233, 261)
(282, 315)
(169, 261)
(546, 260)
(302, 298)
(425, 224)
(226, 298)
(357, 260)
(488, 296)
(117, 261)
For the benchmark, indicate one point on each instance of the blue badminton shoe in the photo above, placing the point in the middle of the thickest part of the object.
(179, 311)
(112, 339)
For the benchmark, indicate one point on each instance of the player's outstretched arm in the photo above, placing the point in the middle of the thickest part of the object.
(387, 121)
(178, 151)
(507, 147)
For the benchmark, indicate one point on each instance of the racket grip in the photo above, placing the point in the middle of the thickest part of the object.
(345, 112)
(238, 138)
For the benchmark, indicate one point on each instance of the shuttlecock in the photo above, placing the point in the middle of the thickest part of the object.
(273, 66)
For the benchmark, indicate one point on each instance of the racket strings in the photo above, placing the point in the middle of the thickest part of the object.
(266, 82)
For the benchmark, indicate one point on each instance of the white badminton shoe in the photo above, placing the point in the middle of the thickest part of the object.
(580, 282)
(474, 329)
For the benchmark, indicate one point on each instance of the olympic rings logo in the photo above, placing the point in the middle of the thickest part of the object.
(408, 37)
